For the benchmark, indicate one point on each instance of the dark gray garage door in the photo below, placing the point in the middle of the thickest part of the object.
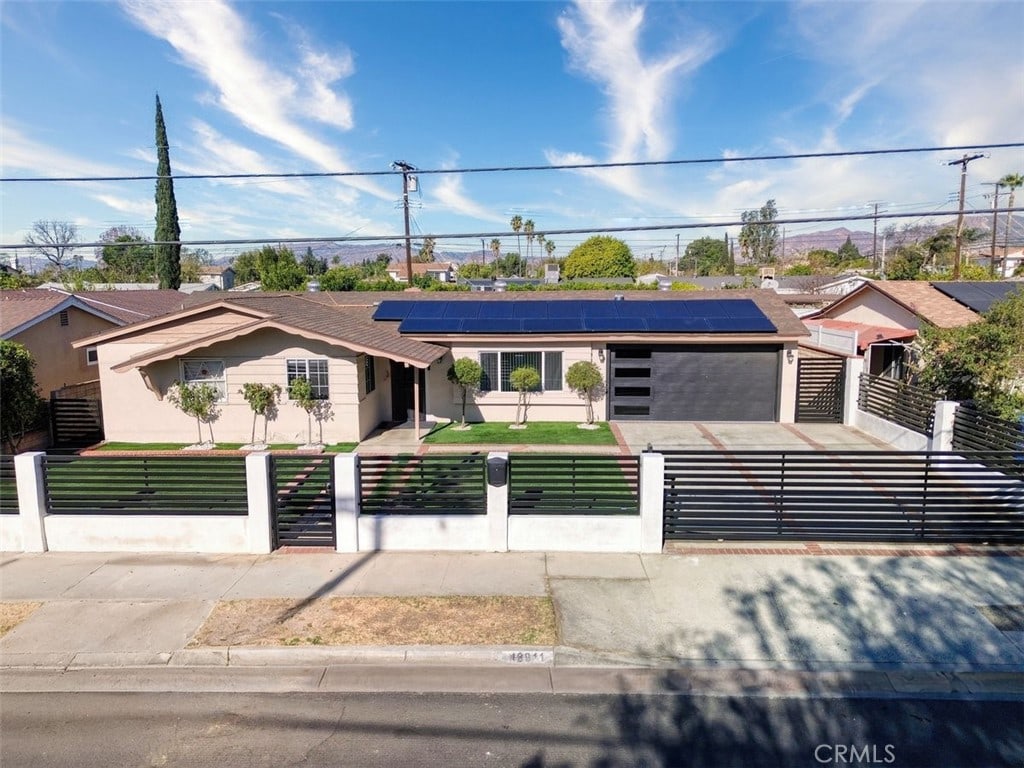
(712, 382)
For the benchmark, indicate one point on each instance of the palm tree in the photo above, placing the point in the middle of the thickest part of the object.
(549, 247)
(1011, 180)
(528, 229)
(496, 248)
(517, 227)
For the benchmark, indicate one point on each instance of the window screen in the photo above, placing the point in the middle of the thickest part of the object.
(206, 372)
(553, 371)
(313, 370)
(489, 362)
(510, 361)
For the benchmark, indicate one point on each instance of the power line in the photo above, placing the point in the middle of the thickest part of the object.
(477, 235)
(512, 168)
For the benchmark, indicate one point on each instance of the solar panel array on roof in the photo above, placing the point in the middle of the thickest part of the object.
(979, 296)
(583, 316)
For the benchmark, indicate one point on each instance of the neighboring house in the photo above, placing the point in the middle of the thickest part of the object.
(879, 319)
(381, 357)
(46, 322)
(222, 277)
(439, 270)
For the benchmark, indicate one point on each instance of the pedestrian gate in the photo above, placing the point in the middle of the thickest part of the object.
(819, 390)
(303, 501)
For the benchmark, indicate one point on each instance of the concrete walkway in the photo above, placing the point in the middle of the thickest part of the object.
(922, 621)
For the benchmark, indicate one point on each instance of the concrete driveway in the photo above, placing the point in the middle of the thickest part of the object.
(740, 436)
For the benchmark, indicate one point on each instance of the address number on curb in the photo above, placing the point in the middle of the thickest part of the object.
(526, 657)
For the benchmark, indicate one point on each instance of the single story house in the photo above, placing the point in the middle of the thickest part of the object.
(223, 277)
(881, 319)
(439, 270)
(381, 357)
(46, 322)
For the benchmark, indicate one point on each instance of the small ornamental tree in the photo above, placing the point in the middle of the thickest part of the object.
(585, 379)
(466, 373)
(199, 400)
(262, 398)
(524, 380)
(300, 391)
(20, 404)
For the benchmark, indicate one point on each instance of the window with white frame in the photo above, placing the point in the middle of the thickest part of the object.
(369, 374)
(315, 371)
(498, 367)
(92, 356)
(195, 371)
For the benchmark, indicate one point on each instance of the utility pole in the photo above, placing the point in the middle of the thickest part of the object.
(874, 236)
(483, 252)
(405, 168)
(962, 162)
(677, 253)
(995, 213)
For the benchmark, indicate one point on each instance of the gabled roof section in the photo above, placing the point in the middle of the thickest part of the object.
(133, 306)
(920, 298)
(20, 310)
(349, 326)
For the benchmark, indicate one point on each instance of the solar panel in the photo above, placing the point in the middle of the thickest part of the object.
(431, 325)
(462, 309)
(977, 296)
(571, 316)
(491, 325)
(392, 310)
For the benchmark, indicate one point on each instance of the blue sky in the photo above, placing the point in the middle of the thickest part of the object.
(353, 86)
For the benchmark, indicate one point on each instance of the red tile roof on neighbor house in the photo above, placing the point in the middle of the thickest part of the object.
(866, 334)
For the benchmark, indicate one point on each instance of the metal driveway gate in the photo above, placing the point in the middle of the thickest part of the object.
(819, 389)
(975, 496)
(303, 501)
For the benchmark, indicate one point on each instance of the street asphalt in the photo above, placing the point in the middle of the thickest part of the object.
(937, 621)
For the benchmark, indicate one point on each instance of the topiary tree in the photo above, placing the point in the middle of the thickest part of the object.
(599, 256)
(197, 399)
(524, 380)
(466, 373)
(262, 398)
(300, 391)
(585, 379)
(20, 405)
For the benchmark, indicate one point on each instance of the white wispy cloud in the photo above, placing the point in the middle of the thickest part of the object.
(21, 153)
(142, 208)
(603, 43)
(216, 41)
(447, 190)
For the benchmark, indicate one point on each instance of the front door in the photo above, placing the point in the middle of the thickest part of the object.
(401, 391)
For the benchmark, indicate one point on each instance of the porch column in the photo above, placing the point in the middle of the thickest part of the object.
(416, 403)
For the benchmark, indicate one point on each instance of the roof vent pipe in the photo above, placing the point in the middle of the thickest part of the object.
(664, 285)
(618, 297)
(500, 285)
(313, 286)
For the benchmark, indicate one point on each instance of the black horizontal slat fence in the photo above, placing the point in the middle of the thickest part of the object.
(975, 430)
(303, 501)
(418, 485)
(8, 487)
(837, 496)
(561, 484)
(903, 404)
(146, 485)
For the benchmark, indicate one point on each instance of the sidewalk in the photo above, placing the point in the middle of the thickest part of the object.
(793, 621)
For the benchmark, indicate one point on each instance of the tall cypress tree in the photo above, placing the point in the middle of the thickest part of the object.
(168, 257)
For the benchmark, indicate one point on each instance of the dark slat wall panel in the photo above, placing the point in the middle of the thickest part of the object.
(416, 485)
(819, 390)
(903, 404)
(573, 485)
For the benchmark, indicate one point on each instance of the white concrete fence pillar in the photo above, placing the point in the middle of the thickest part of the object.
(497, 507)
(942, 430)
(652, 502)
(29, 476)
(851, 388)
(346, 502)
(259, 492)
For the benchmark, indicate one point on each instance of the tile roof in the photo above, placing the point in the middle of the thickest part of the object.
(132, 306)
(926, 301)
(20, 307)
(866, 334)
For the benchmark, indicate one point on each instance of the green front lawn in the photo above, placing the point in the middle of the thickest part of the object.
(536, 433)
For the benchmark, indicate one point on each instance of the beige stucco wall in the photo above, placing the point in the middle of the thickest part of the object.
(789, 358)
(875, 309)
(134, 413)
(49, 342)
(445, 402)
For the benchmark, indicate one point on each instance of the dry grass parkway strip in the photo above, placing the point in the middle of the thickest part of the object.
(498, 620)
(13, 613)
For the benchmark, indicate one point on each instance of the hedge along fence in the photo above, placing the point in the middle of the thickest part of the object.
(152, 485)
